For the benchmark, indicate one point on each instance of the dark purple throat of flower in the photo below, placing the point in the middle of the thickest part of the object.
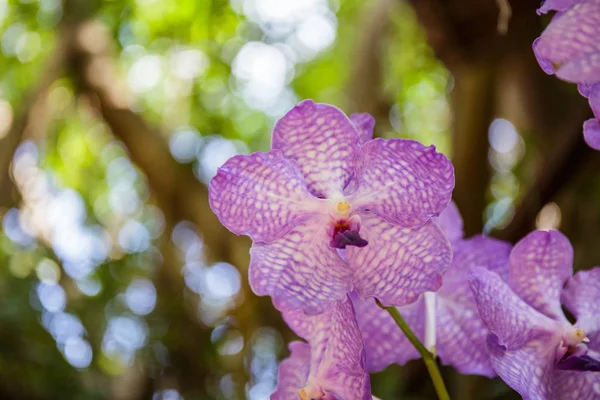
(345, 233)
(579, 358)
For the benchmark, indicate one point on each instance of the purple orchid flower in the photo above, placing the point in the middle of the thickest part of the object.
(332, 365)
(533, 347)
(325, 186)
(569, 47)
(461, 333)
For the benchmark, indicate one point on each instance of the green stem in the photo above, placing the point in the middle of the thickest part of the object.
(428, 357)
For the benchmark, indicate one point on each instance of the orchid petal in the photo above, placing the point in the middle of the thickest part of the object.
(581, 296)
(539, 266)
(570, 41)
(576, 385)
(451, 222)
(385, 344)
(555, 5)
(300, 270)
(399, 263)
(324, 144)
(260, 195)
(403, 181)
(337, 350)
(461, 337)
(529, 369)
(293, 372)
(513, 321)
(364, 124)
(591, 133)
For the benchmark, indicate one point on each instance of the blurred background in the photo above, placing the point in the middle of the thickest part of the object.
(118, 282)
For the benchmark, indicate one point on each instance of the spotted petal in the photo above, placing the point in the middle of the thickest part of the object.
(399, 263)
(461, 337)
(477, 251)
(461, 333)
(540, 264)
(570, 41)
(364, 123)
(293, 372)
(513, 321)
(337, 352)
(529, 369)
(451, 222)
(581, 296)
(403, 181)
(261, 195)
(385, 344)
(323, 142)
(300, 270)
(576, 385)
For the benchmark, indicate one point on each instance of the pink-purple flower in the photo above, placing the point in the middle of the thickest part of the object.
(532, 345)
(569, 47)
(461, 334)
(332, 365)
(326, 186)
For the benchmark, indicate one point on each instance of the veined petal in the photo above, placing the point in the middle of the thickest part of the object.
(513, 321)
(581, 296)
(399, 263)
(477, 251)
(528, 369)
(364, 124)
(461, 340)
(385, 344)
(403, 181)
(337, 352)
(300, 270)
(591, 133)
(260, 195)
(324, 144)
(461, 332)
(572, 34)
(576, 385)
(555, 5)
(539, 266)
(293, 372)
(451, 222)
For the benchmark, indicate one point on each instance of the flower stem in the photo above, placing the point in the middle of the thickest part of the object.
(428, 357)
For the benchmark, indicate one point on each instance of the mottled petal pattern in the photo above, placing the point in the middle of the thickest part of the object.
(570, 41)
(323, 142)
(399, 263)
(529, 369)
(364, 123)
(403, 181)
(461, 340)
(477, 251)
(504, 313)
(338, 356)
(300, 270)
(293, 372)
(581, 296)
(576, 385)
(451, 222)
(385, 344)
(540, 264)
(260, 195)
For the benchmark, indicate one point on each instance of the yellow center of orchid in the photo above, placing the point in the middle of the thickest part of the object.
(342, 208)
(580, 334)
(303, 395)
